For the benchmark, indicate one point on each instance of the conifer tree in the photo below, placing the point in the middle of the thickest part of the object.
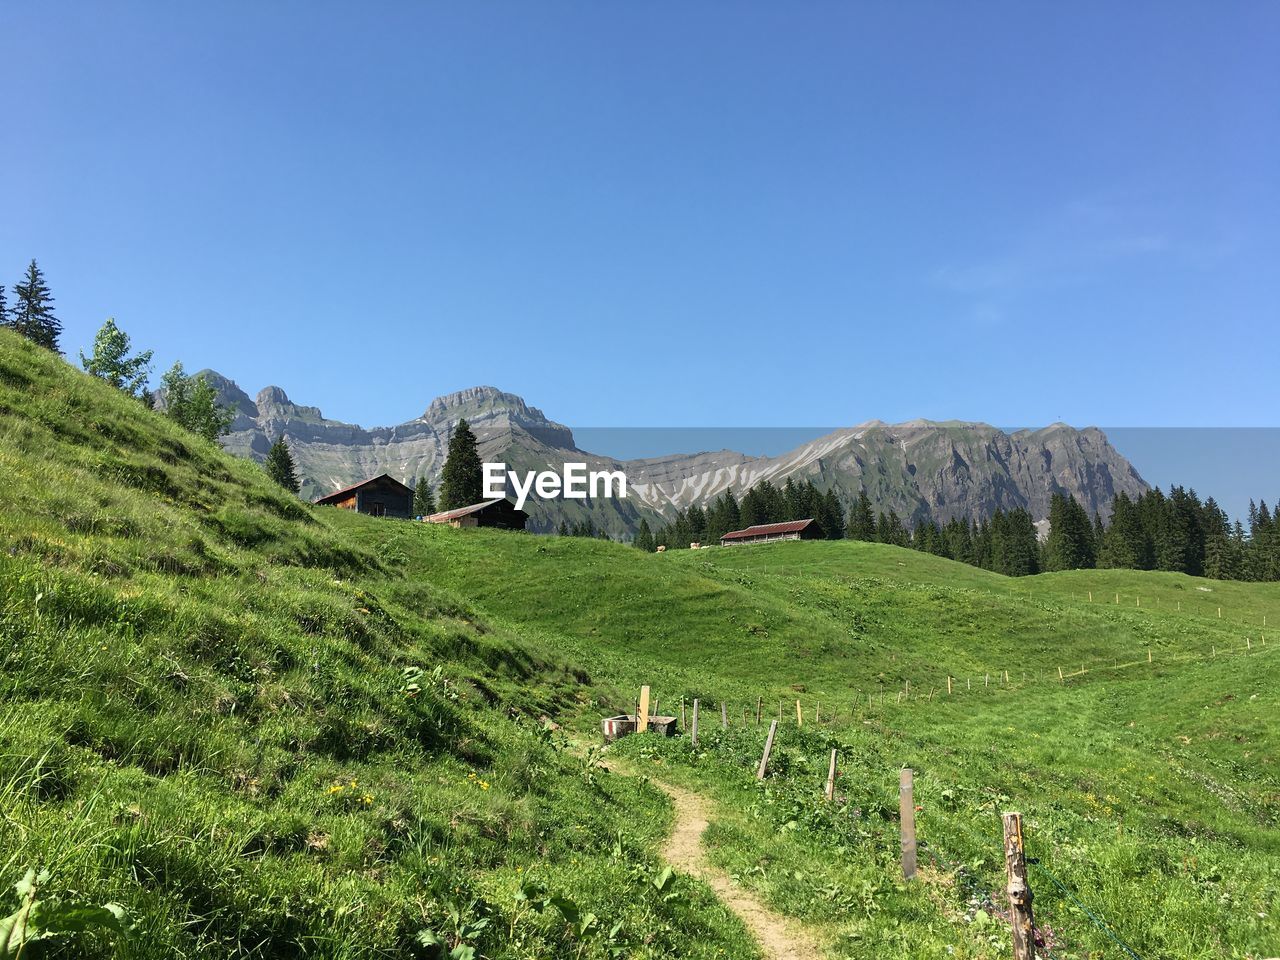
(4, 308)
(862, 522)
(832, 515)
(461, 482)
(280, 466)
(111, 361)
(753, 510)
(1070, 542)
(644, 537)
(889, 529)
(32, 313)
(424, 500)
(697, 521)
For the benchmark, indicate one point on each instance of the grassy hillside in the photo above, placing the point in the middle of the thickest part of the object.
(1151, 786)
(260, 737)
(265, 728)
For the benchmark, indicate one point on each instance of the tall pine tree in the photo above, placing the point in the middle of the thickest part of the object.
(461, 483)
(862, 523)
(644, 537)
(32, 313)
(280, 467)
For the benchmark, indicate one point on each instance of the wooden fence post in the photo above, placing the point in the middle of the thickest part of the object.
(768, 747)
(831, 778)
(799, 715)
(817, 711)
(724, 716)
(682, 712)
(907, 816)
(948, 686)
(695, 723)
(759, 703)
(642, 719)
(1019, 890)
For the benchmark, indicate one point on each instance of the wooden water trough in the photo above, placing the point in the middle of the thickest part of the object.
(625, 723)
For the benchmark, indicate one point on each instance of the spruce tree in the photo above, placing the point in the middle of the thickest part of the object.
(697, 519)
(424, 500)
(32, 314)
(111, 361)
(862, 523)
(4, 308)
(461, 482)
(752, 510)
(280, 466)
(832, 515)
(644, 537)
(1070, 543)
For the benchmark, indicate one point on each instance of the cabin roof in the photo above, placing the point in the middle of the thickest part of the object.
(768, 529)
(447, 515)
(338, 494)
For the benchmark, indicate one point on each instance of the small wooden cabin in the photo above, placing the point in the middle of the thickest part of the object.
(500, 514)
(382, 496)
(770, 532)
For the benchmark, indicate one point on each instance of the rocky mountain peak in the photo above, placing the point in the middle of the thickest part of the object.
(482, 399)
(273, 397)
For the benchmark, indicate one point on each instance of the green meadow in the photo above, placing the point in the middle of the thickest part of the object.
(259, 728)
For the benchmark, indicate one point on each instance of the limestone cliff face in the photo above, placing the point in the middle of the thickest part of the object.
(921, 469)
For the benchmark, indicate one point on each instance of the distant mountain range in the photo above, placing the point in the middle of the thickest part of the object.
(922, 469)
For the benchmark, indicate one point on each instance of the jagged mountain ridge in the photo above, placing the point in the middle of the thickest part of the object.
(921, 469)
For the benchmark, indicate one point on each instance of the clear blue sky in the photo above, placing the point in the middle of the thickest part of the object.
(667, 213)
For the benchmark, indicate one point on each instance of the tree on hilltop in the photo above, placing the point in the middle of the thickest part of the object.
(32, 313)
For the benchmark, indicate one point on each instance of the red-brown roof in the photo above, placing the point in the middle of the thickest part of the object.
(454, 514)
(768, 530)
(338, 494)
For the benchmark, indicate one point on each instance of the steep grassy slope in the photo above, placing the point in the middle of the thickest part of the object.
(1151, 787)
(261, 739)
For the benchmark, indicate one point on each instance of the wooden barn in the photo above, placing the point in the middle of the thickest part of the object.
(500, 514)
(771, 532)
(382, 496)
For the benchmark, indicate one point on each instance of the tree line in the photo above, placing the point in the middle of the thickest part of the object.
(1156, 531)
(763, 503)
